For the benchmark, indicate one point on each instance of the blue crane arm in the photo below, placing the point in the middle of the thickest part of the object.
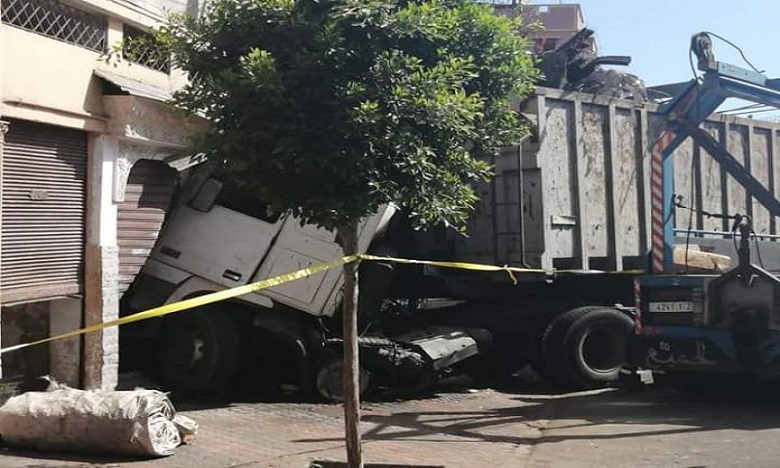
(684, 113)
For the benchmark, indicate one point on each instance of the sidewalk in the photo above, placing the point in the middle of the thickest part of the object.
(481, 429)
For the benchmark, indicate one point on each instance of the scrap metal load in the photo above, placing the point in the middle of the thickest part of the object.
(576, 66)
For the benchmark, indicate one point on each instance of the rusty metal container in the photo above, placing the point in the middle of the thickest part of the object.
(575, 194)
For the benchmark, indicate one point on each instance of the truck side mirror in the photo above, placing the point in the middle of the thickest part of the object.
(206, 196)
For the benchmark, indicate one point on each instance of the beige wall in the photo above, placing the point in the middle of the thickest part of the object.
(51, 81)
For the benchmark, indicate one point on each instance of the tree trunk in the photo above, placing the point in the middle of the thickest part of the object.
(349, 236)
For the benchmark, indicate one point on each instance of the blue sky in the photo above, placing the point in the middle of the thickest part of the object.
(656, 33)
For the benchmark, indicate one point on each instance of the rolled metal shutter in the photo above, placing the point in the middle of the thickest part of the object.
(148, 193)
(43, 212)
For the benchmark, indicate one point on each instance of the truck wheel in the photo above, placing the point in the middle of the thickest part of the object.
(586, 347)
(199, 351)
(330, 383)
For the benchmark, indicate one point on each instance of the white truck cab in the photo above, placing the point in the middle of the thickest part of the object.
(212, 242)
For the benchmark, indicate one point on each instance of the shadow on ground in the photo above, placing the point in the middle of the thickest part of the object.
(91, 459)
(658, 411)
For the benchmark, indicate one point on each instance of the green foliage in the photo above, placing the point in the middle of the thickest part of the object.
(332, 108)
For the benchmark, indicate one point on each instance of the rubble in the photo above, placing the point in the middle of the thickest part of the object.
(576, 66)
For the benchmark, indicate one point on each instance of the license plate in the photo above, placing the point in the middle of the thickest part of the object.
(672, 307)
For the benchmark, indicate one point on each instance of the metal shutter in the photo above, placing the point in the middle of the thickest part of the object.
(43, 211)
(148, 193)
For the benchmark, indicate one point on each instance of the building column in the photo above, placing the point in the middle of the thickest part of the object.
(3, 130)
(65, 353)
(101, 299)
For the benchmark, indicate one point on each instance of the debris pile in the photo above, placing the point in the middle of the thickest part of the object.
(613, 83)
(576, 66)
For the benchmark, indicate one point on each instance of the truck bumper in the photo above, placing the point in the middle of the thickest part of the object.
(699, 349)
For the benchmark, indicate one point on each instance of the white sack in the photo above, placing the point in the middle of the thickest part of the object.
(137, 422)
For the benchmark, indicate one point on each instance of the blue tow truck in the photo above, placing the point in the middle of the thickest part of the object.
(700, 326)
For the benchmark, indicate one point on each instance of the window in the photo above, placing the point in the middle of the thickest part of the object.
(236, 199)
(56, 20)
(545, 44)
(144, 52)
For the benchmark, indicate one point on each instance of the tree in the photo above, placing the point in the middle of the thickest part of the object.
(332, 108)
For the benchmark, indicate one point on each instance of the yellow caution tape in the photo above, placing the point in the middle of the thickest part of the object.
(194, 302)
(460, 265)
(271, 282)
(482, 267)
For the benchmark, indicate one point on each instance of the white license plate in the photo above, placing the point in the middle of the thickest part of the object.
(681, 306)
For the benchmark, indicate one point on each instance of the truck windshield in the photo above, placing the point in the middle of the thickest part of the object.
(245, 203)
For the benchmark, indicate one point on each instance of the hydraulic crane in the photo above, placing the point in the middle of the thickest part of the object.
(727, 323)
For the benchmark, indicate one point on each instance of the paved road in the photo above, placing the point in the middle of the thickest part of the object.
(487, 428)
(662, 428)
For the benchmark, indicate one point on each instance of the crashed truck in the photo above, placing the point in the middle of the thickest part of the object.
(569, 205)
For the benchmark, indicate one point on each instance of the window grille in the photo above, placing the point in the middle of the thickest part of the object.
(502, 2)
(144, 52)
(56, 20)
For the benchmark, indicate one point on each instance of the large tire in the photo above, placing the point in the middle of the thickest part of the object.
(585, 347)
(199, 351)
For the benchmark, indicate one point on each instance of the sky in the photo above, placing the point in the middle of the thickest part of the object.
(656, 33)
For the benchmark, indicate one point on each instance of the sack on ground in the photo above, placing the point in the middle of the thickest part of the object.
(137, 422)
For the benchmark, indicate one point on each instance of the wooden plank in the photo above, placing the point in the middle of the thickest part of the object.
(696, 261)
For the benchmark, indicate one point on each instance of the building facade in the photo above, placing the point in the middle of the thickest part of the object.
(89, 157)
(560, 22)
(553, 23)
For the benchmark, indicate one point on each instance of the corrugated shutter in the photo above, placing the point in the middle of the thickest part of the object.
(43, 211)
(148, 193)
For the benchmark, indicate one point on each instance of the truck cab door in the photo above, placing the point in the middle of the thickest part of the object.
(301, 246)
